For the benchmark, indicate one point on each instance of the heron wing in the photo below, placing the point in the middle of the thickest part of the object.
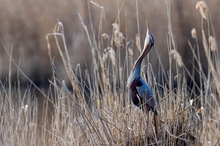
(146, 94)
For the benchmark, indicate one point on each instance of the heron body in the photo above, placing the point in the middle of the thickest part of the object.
(141, 94)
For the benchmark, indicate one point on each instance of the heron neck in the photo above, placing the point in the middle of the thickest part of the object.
(137, 66)
(136, 71)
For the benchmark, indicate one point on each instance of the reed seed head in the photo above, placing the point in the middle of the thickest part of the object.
(105, 36)
(193, 33)
(213, 45)
(117, 35)
(109, 52)
(202, 7)
(176, 56)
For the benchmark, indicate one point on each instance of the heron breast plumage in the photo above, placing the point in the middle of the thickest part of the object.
(142, 94)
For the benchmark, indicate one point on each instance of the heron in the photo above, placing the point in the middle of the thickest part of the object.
(141, 94)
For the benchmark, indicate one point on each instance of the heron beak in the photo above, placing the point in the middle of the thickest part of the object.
(147, 43)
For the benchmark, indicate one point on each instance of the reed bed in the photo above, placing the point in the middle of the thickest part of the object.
(96, 108)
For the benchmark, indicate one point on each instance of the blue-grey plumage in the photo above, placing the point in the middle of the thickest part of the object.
(141, 94)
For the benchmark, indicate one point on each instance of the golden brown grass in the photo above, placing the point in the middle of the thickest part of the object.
(97, 110)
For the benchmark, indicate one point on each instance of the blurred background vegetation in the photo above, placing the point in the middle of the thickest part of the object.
(24, 25)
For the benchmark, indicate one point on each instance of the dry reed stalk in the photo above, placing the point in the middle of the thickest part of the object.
(138, 44)
(208, 57)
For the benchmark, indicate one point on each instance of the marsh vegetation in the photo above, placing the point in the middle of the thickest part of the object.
(91, 105)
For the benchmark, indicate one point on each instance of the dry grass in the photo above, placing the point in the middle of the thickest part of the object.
(97, 109)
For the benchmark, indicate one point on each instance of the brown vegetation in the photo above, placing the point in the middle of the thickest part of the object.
(97, 109)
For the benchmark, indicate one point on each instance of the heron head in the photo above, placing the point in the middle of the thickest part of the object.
(148, 44)
(149, 40)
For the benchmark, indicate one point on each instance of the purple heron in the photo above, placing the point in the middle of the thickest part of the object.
(141, 94)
